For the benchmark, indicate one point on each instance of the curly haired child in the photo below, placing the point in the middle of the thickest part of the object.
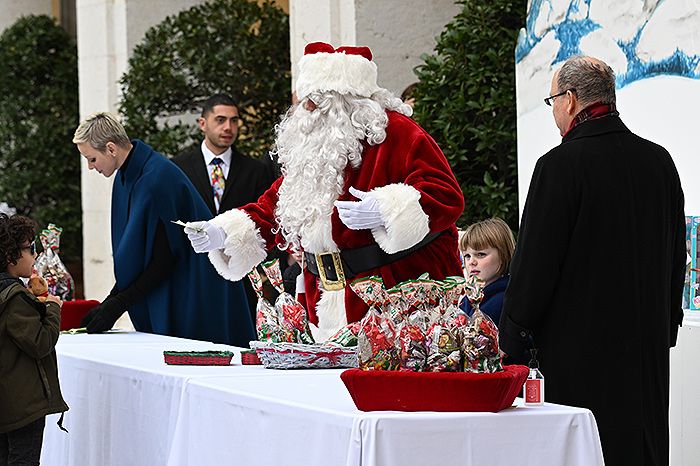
(29, 328)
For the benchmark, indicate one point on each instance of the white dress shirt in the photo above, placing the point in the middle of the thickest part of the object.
(209, 156)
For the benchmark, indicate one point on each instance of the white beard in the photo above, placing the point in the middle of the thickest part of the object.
(314, 150)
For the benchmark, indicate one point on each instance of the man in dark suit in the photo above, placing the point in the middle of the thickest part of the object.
(225, 178)
(245, 178)
(597, 275)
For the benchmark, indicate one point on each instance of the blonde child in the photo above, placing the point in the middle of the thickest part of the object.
(487, 248)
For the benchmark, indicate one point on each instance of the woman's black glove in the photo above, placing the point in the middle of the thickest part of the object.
(103, 317)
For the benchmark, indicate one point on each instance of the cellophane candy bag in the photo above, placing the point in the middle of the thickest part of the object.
(455, 319)
(346, 336)
(293, 315)
(267, 323)
(396, 306)
(377, 335)
(480, 345)
(441, 341)
(49, 265)
(412, 328)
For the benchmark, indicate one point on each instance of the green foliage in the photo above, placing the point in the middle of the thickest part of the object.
(237, 47)
(39, 166)
(466, 100)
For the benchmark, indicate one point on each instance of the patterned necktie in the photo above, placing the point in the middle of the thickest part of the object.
(217, 181)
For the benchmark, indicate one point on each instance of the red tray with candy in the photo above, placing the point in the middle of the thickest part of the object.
(375, 390)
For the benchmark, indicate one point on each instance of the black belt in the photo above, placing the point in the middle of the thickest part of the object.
(357, 260)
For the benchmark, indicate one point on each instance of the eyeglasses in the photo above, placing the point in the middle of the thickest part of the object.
(31, 248)
(550, 99)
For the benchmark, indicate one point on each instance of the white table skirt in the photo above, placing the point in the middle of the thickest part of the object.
(313, 421)
(129, 408)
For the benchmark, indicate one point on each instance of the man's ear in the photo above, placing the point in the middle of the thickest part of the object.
(572, 103)
(201, 122)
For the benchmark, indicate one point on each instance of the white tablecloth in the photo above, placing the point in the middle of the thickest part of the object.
(313, 421)
(129, 408)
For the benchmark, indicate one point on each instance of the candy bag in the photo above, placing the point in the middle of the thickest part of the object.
(291, 313)
(346, 336)
(411, 340)
(396, 305)
(413, 353)
(480, 345)
(48, 264)
(443, 348)
(377, 334)
(454, 318)
(267, 325)
(375, 343)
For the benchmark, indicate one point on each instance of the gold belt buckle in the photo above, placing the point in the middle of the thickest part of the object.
(328, 284)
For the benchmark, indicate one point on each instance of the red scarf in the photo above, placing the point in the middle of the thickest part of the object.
(592, 112)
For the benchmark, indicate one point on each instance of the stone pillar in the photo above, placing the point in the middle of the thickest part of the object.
(107, 31)
(397, 31)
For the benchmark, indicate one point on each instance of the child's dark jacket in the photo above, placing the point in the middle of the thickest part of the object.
(29, 331)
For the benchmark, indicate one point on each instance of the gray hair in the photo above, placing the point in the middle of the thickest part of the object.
(100, 128)
(593, 80)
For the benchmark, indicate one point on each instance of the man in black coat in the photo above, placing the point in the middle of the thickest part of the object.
(245, 178)
(597, 276)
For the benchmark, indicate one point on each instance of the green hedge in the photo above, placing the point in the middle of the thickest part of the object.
(39, 165)
(237, 47)
(466, 100)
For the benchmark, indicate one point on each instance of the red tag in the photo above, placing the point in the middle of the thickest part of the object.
(533, 391)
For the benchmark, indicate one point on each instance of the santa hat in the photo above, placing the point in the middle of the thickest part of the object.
(346, 70)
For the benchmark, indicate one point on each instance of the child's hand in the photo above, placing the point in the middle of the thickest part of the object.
(54, 299)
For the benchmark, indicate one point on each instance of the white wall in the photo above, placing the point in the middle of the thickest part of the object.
(12, 10)
(397, 31)
(685, 394)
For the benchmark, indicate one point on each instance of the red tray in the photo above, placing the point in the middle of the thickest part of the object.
(250, 358)
(73, 311)
(434, 391)
(198, 358)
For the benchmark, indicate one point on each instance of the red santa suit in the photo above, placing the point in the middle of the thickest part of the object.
(417, 194)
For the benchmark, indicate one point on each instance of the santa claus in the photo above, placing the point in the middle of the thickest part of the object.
(364, 191)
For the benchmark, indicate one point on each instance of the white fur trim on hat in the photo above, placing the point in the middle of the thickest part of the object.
(405, 223)
(244, 248)
(330, 310)
(338, 71)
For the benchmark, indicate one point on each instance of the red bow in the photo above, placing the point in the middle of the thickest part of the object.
(322, 47)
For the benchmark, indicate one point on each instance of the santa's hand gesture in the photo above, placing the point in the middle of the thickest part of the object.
(360, 215)
(205, 236)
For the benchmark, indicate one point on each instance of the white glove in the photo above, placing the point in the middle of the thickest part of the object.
(360, 215)
(205, 236)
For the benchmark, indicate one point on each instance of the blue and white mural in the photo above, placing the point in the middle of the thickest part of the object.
(654, 48)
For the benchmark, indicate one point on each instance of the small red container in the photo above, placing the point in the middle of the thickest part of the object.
(250, 358)
(198, 358)
(72, 312)
(434, 391)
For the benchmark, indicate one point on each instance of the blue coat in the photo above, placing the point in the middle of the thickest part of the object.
(493, 299)
(194, 301)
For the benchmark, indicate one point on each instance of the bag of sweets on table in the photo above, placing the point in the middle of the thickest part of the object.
(291, 313)
(377, 335)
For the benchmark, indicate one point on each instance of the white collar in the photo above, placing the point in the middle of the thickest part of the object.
(209, 155)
